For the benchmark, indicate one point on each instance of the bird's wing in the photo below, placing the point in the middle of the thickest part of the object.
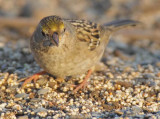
(87, 32)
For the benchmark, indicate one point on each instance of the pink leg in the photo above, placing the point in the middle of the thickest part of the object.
(33, 77)
(83, 84)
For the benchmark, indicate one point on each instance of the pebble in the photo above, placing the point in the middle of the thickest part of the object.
(22, 95)
(136, 109)
(42, 113)
(124, 84)
(43, 91)
(40, 110)
(119, 113)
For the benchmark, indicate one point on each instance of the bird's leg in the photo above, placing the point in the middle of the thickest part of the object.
(83, 84)
(33, 77)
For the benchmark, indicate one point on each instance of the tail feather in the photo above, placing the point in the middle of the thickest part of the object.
(120, 24)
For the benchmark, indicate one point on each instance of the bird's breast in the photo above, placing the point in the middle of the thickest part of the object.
(67, 61)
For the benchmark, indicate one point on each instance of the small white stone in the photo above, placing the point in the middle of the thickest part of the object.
(42, 114)
(83, 107)
(108, 99)
(3, 105)
(134, 102)
(17, 107)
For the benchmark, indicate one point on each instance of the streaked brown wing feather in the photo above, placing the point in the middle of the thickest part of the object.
(87, 32)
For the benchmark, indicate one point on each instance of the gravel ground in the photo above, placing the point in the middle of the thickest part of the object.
(125, 85)
(128, 87)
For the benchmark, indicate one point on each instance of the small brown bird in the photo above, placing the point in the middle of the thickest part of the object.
(64, 47)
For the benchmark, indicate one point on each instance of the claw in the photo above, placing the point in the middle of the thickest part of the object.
(33, 77)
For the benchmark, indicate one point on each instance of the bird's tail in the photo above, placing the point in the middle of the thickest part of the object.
(120, 24)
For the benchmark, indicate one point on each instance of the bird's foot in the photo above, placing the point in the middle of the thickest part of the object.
(84, 83)
(33, 77)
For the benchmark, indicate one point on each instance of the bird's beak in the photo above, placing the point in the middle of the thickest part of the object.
(55, 39)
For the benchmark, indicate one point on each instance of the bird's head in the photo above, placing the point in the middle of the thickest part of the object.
(53, 28)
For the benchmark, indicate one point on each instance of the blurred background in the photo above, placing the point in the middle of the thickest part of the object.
(100, 11)
(18, 19)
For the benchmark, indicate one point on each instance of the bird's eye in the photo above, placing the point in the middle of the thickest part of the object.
(43, 33)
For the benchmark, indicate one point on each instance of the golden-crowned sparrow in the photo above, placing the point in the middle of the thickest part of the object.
(66, 47)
